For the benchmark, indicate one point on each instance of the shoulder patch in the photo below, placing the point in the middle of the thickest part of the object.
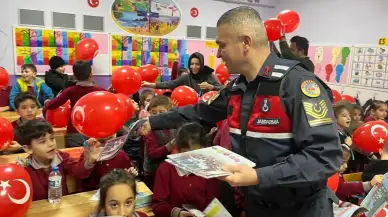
(317, 112)
(213, 98)
(310, 88)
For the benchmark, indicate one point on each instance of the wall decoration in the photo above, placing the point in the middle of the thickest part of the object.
(161, 52)
(93, 3)
(194, 12)
(37, 46)
(146, 17)
(369, 67)
(331, 63)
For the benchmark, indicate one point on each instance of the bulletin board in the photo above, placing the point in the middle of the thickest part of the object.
(369, 67)
(36, 46)
(332, 63)
(161, 52)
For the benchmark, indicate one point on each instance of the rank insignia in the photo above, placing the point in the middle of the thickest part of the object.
(310, 88)
(213, 98)
(317, 112)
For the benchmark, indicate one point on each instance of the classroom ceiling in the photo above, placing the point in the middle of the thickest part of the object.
(255, 3)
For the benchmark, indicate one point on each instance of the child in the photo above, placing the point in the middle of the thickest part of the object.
(27, 107)
(356, 115)
(377, 111)
(118, 195)
(37, 139)
(347, 189)
(83, 73)
(377, 166)
(145, 99)
(121, 160)
(171, 190)
(159, 143)
(342, 115)
(31, 84)
(56, 78)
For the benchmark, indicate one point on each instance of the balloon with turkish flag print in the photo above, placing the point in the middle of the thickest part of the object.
(149, 73)
(4, 78)
(371, 136)
(274, 28)
(333, 182)
(184, 95)
(15, 190)
(348, 98)
(290, 20)
(6, 133)
(207, 96)
(86, 49)
(222, 73)
(336, 96)
(59, 117)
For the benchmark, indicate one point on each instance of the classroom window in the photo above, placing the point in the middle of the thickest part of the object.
(63, 20)
(93, 23)
(194, 32)
(31, 17)
(211, 32)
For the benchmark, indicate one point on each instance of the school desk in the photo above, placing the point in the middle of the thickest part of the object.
(75, 205)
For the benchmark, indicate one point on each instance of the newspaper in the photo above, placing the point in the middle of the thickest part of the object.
(214, 209)
(207, 162)
(373, 204)
(112, 147)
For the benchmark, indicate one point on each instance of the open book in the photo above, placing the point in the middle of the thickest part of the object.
(214, 209)
(373, 204)
(207, 162)
(112, 147)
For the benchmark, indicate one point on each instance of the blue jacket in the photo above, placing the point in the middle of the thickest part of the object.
(41, 91)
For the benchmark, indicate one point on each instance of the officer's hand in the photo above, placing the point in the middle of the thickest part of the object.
(145, 129)
(242, 175)
(148, 84)
(206, 86)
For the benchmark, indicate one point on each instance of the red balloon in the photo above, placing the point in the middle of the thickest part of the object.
(86, 49)
(4, 78)
(59, 117)
(126, 80)
(149, 73)
(208, 95)
(371, 136)
(333, 182)
(222, 73)
(274, 28)
(290, 19)
(159, 92)
(348, 98)
(184, 95)
(16, 192)
(99, 114)
(127, 102)
(6, 132)
(336, 96)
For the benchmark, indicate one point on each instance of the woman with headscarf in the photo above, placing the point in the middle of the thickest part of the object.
(200, 77)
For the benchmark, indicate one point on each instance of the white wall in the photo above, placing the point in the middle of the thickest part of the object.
(336, 22)
(209, 12)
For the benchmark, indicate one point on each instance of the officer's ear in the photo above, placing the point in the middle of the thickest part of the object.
(247, 42)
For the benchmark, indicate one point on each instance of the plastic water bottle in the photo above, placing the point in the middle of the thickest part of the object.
(55, 186)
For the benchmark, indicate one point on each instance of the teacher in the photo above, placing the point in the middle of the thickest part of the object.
(200, 78)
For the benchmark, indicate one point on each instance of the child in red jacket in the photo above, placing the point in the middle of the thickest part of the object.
(158, 144)
(172, 190)
(347, 189)
(37, 139)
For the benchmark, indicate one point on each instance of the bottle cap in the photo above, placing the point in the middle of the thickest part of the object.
(55, 168)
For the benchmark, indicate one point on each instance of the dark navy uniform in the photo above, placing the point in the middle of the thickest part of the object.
(284, 122)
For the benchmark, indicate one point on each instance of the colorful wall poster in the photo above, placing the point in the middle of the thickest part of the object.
(146, 17)
(331, 62)
(369, 67)
(161, 52)
(37, 46)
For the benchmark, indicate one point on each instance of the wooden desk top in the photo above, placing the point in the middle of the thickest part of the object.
(75, 205)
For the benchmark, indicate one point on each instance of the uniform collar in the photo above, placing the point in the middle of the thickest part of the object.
(38, 165)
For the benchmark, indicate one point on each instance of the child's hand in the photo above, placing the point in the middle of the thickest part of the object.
(22, 162)
(377, 179)
(348, 141)
(213, 130)
(14, 147)
(172, 142)
(175, 103)
(91, 142)
(132, 171)
(93, 152)
(185, 214)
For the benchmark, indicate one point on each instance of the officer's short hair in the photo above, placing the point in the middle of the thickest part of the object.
(301, 43)
(245, 19)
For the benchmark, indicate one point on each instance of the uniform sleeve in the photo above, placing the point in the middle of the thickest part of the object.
(76, 167)
(57, 101)
(211, 190)
(172, 84)
(14, 92)
(205, 113)
(154, 151)
(162, 193)
(48, 93)
(314, 133)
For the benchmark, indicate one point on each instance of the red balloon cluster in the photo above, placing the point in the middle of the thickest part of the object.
(338, 97)
(59, 117)
(149, 73)
(4, 78)
(348, 98)
(371, 136)
(285, 22)
(127, 102)
(184, 95)
(86, 49)
(126, 80)
(6, 132)
(99, 114)
(160, 92)
(207, 96)
(16, 193)
(222, 73)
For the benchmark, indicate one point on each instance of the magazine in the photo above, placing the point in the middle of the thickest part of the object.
(214, 209)
(372, 205)
(207, 162)
(112, 147)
